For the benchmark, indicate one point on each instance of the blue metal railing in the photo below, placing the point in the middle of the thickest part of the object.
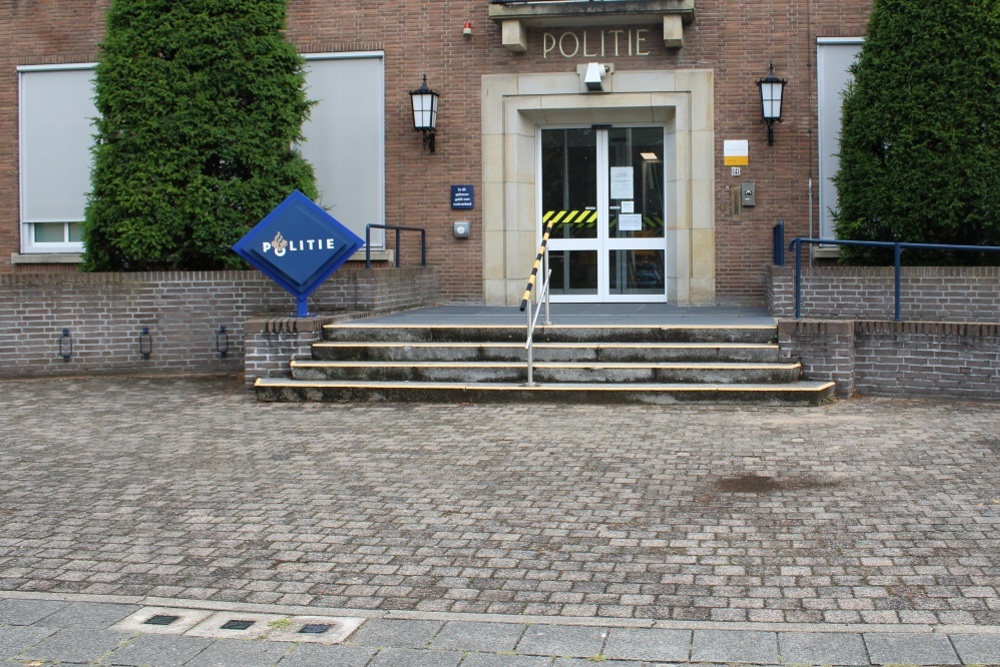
(397, 229)
(796, 247)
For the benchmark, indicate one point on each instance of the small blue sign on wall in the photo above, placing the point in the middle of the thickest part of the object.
(298, 245)
(462, 197)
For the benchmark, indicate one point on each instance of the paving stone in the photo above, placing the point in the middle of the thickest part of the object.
(735, 646)
(977, 649)
(312, 655)
(648, 644)
(582, 662)
(76, 645)
(481, 637)
(396, 633)
(27, 612)
(567, 641)
(493, 660)
(823, 648)
(158, 651)
(910, 648)
(95, 615)
(240, 653)
(407, 657)
(15, 639)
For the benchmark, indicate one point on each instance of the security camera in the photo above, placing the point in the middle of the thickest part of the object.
(594, 76)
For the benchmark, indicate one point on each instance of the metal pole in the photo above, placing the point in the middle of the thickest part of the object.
(898, 272)
(531, 377)
(797, 249)
(545, 291)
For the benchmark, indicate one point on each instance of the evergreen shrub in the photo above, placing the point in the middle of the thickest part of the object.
(200, 103)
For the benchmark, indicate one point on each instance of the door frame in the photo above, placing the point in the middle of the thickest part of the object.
(604, 242)
(514, 104)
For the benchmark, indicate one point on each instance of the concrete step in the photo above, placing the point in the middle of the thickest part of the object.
(573, 363)
(570, 351)
(358, 331)
(285, 390)
(548, 371)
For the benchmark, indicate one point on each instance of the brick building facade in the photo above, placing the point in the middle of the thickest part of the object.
(518, 123)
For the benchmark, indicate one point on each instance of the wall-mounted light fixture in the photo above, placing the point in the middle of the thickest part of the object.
(145, 343)
(65, 345)
(222, 341)
(425, 112)
(593, 77)
(771, 90)
(467, 29)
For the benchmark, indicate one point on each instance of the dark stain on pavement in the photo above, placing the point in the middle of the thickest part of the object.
(764, 484)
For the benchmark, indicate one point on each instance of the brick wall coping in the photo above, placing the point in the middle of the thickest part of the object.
(888, 271)
(112, 278)
(811, 327)
(881, 327)
(270, 325)
(967, 329)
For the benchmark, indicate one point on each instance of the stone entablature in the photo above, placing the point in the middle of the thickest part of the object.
(515, 16)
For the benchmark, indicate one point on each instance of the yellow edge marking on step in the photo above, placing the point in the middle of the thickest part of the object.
(403, 343)
(360, 325)
(554, 386)
(567, 345)
(392, 363)
(551, 365)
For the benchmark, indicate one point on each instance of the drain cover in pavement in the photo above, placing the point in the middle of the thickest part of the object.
(240, 625)
(161, 619)
(148, 620)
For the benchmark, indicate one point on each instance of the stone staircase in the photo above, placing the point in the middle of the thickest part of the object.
(655, 364)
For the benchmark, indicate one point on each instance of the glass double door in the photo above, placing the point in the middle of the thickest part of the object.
(604, 189)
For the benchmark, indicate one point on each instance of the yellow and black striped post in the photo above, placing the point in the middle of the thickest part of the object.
(549, 220)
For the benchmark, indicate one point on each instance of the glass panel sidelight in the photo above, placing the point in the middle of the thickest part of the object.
(573, 272)
(636, 271)
(569, 184)
(635, 160)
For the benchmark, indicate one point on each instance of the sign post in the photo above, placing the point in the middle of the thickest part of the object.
(298, 245)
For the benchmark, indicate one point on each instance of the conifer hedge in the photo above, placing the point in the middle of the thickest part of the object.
(200, 105)
(920, 143)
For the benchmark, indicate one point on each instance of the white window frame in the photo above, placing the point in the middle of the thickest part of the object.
(32, 209)
(830, 103)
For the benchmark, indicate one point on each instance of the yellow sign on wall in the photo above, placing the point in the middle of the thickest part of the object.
(736, 152)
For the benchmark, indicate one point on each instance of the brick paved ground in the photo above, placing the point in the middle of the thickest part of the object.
(864, 511)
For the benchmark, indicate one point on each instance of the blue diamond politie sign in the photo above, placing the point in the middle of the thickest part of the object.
(298, 245)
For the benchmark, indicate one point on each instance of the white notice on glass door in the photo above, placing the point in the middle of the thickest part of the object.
(622, 183)
(630, 222)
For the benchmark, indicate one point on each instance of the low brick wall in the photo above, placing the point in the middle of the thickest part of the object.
(104, 315)
(825, 349)
(890, 358)
(947, 343)
(928, 293)
(270, 344)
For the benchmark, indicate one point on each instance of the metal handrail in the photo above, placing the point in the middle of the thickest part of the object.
(398, 229)
(898, 247)
(541, 261)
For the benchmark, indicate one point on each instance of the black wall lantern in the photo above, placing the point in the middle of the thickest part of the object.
(145, 343)
(771, 90)
(65, 345)
(425, 112)
(222, 341)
